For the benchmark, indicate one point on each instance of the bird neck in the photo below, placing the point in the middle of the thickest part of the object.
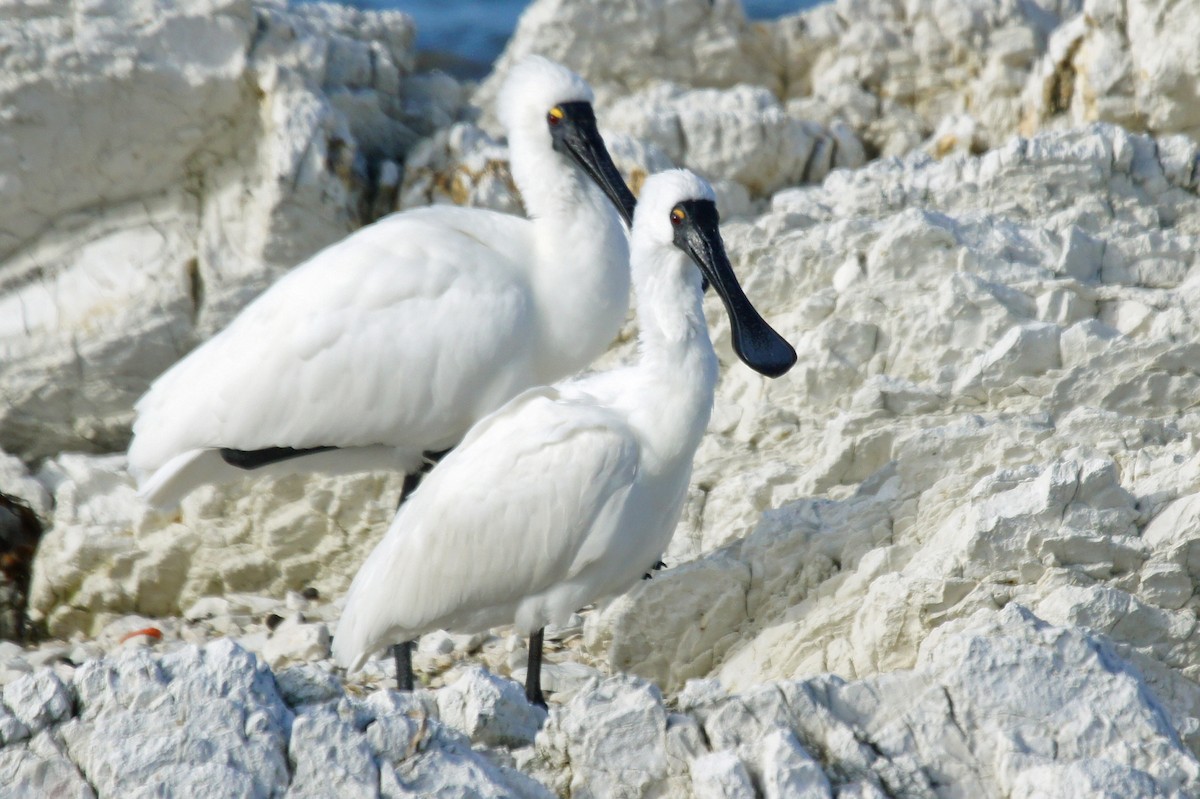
(676, 361)
(580, 276)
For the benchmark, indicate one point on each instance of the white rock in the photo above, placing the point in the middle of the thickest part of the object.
(330, 757)
(1083, 340)
(295, 640)
(41, 769)
(489, 710)
(37, 700)
(612, 739)
(719, 775)
(1075, 781)
(207, 607)
(116, 261)
(561, 681)
(1165, 584)
(108, 551)
(201, 720)
(448, 767)
(437, 642)
(16, 481)
(742, 134)
(704, 45)
(790, 771)
(293, 601)
(12, 729)
(1030, 349)
(1128, 66)
(460, 164)
(306, 684)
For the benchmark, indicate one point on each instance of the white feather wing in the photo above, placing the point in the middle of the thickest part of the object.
(392, 336)
(504, 517)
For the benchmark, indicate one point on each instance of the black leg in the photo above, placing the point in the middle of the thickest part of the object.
(402, 654)
(533, 671)
(411, 481)
(657, 566)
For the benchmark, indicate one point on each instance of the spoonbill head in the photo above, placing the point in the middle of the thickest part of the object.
(568, 493)
(688, 202)
(546, 107)
(391, 343)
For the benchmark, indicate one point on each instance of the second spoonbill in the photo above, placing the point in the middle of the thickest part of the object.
(569, 493)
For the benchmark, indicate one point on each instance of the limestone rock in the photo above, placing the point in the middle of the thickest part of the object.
(742, 134)
(38, 700)
(257, 128)
(329, 756)
(211, 721)
(611, 741)
(41, 768)
(721, 774)
(699, 44)
(204, 721)
(296, 640)
(1123, 63)
(489, 710)
(112, 554)
(465, 165)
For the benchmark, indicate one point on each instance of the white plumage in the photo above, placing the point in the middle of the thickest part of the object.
(568, 494)
(395, 340)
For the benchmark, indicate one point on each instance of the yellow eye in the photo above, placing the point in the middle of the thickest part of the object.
(677, 216)
(555, 115)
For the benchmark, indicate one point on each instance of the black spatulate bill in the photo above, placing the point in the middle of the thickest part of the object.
(754, 341)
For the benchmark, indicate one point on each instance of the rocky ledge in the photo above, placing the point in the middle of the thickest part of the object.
(950, 554)
(999, 704)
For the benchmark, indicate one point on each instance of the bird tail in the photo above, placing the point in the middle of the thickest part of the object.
(170, 483)
(178, 477)
(350, 651)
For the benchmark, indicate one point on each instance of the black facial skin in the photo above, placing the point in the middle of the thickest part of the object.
(755, 342)
(576, 136)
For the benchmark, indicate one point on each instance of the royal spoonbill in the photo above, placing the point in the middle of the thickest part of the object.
(568, 493)
(393, 341)
(390, 344)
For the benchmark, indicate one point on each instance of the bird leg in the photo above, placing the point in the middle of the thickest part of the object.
(402, 654)
(657, 566)
(533, 670)
(412, 480)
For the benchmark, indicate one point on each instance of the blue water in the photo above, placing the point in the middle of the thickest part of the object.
(465, 37)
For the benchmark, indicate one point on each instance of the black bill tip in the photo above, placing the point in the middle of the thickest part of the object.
(764, 350)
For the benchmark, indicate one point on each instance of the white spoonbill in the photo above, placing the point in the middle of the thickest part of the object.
(394, 341)
(569, 493)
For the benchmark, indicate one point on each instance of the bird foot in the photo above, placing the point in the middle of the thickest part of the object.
(658, 565)
(539, 701)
